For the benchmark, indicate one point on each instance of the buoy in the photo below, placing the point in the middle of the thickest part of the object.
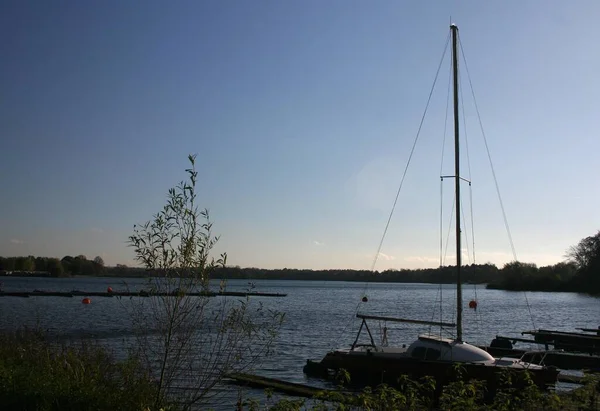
(109, 289)
(473, 304)
(86, 301)
(365, 299)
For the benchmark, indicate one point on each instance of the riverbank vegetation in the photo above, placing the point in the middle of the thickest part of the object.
(37, 374)
(460, 395)
(457, 396)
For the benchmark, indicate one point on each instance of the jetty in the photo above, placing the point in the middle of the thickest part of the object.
(568, 341)
(141, 293)
(285, 387)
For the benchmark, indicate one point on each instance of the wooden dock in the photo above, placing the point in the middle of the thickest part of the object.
(568, 341)
(77, 293)
(289, 388)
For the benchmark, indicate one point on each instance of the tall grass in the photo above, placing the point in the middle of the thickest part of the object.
(37, 374)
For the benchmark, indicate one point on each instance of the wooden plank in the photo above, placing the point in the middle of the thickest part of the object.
(590, 330)
(562, 334)
(404, 320)
(573, 379)
(499, 337)
(290, 388)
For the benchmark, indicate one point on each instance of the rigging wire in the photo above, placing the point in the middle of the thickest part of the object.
(440, 290)
(493, 172)
(449, 228)
(462, 102)
(478, 316)
(462, 211)
(403, 175)
(472, 222)
(387, 225)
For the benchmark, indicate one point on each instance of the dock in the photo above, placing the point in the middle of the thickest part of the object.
(285, 387)
(77, 293)
(569, 341)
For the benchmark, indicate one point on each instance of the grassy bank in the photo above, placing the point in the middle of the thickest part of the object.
(38, 375)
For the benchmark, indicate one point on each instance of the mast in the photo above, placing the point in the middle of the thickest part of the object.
(454, 29)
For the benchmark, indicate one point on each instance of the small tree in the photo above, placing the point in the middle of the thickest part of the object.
(191, 340)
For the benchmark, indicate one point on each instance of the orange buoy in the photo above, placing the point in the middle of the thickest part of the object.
(473, 304)
(109, 289)
(365, 299)
(86, 300)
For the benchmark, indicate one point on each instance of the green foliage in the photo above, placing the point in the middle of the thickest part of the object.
(25, 264)
(581, 273)
(38, 375)
(54, 267)
(586, 255)
(99, 261)
(513, 392)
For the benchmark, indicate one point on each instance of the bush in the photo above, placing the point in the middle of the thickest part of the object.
(36, 374)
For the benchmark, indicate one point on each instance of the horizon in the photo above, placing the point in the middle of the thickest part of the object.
(566, 260)
(302, 115)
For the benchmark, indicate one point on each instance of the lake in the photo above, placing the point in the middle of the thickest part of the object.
(319, 315)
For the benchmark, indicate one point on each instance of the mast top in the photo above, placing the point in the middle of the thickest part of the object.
(453, 26)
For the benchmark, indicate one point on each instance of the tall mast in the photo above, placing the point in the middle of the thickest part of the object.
(454, 29)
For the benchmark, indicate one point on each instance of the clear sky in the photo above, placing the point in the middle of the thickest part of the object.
(302, 114)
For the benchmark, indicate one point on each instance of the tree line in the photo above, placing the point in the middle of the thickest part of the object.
(51, 266)
(580, 273)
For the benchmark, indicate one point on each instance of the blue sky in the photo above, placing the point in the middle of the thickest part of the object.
(302, 114)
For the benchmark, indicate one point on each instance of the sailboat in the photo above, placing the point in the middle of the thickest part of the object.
(428, 355)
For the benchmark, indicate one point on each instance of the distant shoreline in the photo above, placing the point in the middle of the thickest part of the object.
(489, 286)
(512, 277)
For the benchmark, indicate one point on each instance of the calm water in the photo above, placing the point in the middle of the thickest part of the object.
(320, 315)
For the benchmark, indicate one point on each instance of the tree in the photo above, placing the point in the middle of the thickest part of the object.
(55, 267)
(200, 339)
(519, 276)
(67, 263)
(586, 253)
(99, 261)
(586, 256)
(25, 264)
(40, 264)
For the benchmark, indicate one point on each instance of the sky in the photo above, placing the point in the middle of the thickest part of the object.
(302, 115)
